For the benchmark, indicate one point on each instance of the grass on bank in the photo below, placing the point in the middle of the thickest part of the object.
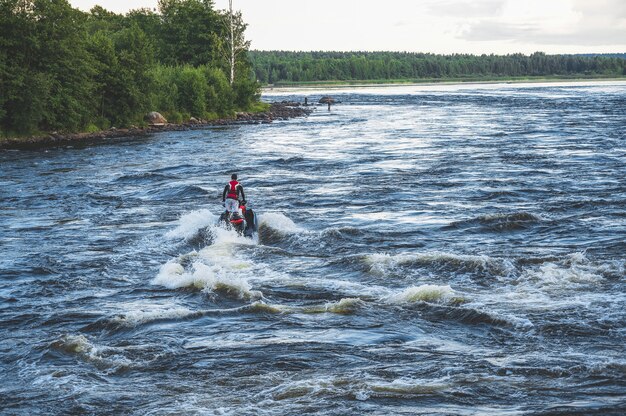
(173, 117)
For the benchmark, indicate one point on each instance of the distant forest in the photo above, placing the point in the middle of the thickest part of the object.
(275, 67)
(66, 70)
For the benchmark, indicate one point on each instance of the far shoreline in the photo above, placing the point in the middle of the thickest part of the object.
(331, 85)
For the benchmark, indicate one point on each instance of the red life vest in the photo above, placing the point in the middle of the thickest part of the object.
(232, 192)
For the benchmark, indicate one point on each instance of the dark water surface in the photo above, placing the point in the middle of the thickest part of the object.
(433, 250)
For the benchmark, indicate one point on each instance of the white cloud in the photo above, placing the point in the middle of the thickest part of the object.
(565, 22)
(440, 26)
(465, 9)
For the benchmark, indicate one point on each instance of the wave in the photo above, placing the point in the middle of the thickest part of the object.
(217, 278)
(101, 357)
(142, 177)
(190, 223)
(183, 167)
(262, 307)
(218, 268)
(274, 227)
(474, 316)
(499, 222)
(442, 302)
(358, 388)
(156, 314)
(344, 306)
(572, 271)
(279, 222)
(287, 160)
(341, 232)
(140, 317)
(491, 195)
(181, 192)
(404, 388)
(426, 293)
(381, 264)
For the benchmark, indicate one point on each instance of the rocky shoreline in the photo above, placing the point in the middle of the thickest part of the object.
(277, 111)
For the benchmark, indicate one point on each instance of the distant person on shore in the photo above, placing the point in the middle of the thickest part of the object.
(232, 191)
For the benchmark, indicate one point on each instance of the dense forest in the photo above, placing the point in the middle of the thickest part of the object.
(275, 67)
(67, 70)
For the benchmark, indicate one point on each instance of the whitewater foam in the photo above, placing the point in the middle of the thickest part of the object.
(574, 270)
(190, 223)
(262, 307)
(210, 278)
(216, 268)
(344, 306)
(102, 357)
(279, 222)
(425, 293)
(404, 388)
(381, 264)
(155, 313)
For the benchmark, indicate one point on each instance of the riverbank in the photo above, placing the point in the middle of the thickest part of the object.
(433, 81)
(277, 111)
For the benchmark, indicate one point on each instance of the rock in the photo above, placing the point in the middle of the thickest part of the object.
(194, 120)
(155, 119)
(290, 103)
(327, 100)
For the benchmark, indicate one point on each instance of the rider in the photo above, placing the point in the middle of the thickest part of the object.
(231, 194)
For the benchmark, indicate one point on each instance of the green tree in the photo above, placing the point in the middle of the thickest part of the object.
(122, 79)
(219, 94)
(47, 84)
(62, 69)
(191, 32)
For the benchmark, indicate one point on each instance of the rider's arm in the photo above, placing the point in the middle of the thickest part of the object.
(243, 196)
(224, 193)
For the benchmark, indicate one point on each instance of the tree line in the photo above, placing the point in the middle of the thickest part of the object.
(273, 67)
(62, 69)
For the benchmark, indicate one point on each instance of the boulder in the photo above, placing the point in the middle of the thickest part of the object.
(290, 103)
(327, 100)
(155, 119)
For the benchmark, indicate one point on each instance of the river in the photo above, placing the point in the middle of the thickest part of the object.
(455, 249)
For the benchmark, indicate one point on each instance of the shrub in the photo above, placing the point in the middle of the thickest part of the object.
(174, 117)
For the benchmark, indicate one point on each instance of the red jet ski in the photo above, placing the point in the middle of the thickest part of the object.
(244, 222)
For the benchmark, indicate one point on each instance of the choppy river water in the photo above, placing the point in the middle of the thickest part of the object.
(422, 250)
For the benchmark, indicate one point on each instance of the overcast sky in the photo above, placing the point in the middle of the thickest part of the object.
(438, 26)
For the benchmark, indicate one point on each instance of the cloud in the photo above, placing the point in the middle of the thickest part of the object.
(490, 31)
(402, 23)
(584, 23)
(529, 33)
(613, 10)
(465, 8)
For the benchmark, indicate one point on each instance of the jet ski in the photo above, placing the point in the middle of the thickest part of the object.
(244, 222)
